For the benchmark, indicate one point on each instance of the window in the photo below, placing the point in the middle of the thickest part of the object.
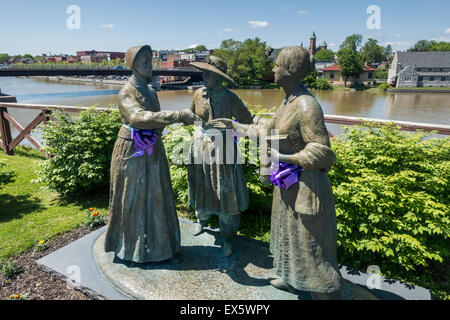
(420, 78)
(331, 75)
(443, 78)
(370, 75)
(431, 78)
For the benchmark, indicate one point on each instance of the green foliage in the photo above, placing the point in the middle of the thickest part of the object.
(373, 52)
(93, 219)
(6, 176)
(81, 148)
(384, 86)
(312, 82)
(4, 57)
(392, 200)
(351, 62)
(9, 269)
(381, 73)
(323, 84)
(247, 61)
(325, 55)
(425, 45)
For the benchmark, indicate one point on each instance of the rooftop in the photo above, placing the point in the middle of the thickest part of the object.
(429, 59)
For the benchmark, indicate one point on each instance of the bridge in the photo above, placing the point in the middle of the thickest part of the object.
(67, 70)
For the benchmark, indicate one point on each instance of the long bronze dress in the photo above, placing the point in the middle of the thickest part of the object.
(217, 188)
(303, 223)
(143, 226)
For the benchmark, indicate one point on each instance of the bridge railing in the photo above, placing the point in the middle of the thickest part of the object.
(8, 144)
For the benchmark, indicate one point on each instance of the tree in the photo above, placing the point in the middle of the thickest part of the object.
(4, 57)
(349, 58)
(388, 52)
(325, 55)
(352, 42)
(373, 52)
(247, 61)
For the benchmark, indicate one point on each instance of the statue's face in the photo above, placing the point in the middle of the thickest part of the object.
(143, 65)
(281, 74)
(211, 79)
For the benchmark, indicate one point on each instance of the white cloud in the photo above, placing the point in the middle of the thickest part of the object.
(228, 30)
(107, 25)
(192, 46)
(399, 35)
(447, 31)
(258, 24)
(303, 12)
(332, 45)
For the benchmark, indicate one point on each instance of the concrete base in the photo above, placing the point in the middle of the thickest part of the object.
(202, 272)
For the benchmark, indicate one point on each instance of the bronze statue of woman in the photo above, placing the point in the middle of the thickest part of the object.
(143, 224)
(217, 186)
(303, 224)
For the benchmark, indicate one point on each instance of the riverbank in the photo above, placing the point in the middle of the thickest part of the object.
(420, 90)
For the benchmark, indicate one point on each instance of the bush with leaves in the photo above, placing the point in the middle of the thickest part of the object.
(81, 147)
(6, 176)
(392, 200)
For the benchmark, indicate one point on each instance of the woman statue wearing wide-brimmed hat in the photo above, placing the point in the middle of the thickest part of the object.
(217, 187)
(143, 224)
(303, 227)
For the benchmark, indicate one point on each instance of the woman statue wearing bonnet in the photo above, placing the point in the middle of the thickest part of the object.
(303, 224)
(143, 224)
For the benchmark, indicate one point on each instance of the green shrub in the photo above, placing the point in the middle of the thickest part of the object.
(384, 87)
(323, 84)
(93, 219)
(312, 82)
(6, 176)
(392, 200)
(81, 147)
(10, 269)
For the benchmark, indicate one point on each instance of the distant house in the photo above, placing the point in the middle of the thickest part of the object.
(320, 65)
(333, 74)
(420, 69)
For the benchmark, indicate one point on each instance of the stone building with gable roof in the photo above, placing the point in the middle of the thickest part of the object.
(420, 69)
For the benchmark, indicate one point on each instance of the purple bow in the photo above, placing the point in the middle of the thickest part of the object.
(286, 176)
(143, 141)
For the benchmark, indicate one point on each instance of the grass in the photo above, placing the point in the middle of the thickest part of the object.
(30, 213)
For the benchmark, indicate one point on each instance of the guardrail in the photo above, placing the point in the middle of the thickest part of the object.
(8, 144)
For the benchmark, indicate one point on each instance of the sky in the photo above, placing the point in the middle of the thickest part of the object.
(36, 27)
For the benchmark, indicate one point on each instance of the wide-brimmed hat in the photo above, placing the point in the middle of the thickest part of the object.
(133, 52)
(216, 65)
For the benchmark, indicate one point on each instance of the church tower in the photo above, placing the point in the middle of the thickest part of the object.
(312, 44)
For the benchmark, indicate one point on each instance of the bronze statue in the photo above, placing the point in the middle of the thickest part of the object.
(217, 186)
(143, 224)
(303, 226)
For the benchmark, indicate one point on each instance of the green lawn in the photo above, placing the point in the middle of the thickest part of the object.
(30, 213)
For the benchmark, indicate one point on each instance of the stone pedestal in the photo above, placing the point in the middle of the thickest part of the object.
(201, 272)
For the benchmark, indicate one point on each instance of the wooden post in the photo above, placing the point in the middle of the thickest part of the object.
(5, 131)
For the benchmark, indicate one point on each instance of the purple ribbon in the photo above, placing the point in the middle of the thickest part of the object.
(143, 141)
(286, 176)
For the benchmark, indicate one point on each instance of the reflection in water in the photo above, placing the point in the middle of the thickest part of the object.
(419, 107)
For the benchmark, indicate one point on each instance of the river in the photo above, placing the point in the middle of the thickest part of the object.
(416, 107)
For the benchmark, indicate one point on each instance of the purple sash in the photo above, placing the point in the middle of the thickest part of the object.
(286, 176)
(143, 141)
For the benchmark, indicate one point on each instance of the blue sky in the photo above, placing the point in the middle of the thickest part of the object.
(38, 27)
